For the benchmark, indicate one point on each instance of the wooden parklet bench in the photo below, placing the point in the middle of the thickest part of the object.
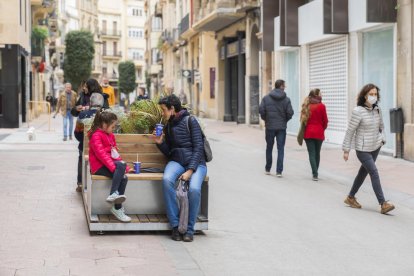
(145, 201)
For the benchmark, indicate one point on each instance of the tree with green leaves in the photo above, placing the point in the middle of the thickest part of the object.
(126, 81)
(78, 56)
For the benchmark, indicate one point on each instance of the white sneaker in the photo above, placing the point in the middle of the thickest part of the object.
(120, 214)
(116, 198)
(279, 175)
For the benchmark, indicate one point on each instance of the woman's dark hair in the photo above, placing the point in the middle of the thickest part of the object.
(93, 86)
(101, 117)
(364, 91)
(171, 100)
(81, 85)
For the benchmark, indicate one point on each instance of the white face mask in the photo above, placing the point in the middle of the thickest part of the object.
(372, 99)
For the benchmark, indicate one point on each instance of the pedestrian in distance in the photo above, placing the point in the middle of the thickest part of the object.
(67, 100)
(105, 160)
(141, 94)
(366, 129)
(92, 86)
(182, 143)
(96, 102)
(108, 90)
(315, 119)
(51, 100)
(183, 97)
(83, 101)
(276, 110)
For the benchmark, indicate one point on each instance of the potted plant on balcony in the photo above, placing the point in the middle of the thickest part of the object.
(39, 34)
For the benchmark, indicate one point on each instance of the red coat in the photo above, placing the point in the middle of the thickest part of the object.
(100, 151)
(317, 122)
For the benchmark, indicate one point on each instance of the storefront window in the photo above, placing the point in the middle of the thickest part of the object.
(378, 68)
(290, 73)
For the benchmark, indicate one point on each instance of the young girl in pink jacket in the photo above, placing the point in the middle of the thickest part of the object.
(105, 160)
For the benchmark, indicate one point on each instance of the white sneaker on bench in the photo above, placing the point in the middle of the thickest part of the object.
(120, 214)
(116, 198)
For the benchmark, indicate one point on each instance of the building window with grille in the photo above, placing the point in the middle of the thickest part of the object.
(134, 32)
(135, 11)
(136, 54)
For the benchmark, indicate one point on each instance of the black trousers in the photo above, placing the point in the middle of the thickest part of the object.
(119, 179)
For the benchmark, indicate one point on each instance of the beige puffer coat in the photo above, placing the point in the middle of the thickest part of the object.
(365, 130)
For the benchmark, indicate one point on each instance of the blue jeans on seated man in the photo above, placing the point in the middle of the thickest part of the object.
(280, 136)
(66, 120)
(172, 172)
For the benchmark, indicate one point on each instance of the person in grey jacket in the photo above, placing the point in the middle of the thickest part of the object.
(366, 134)
(276, 110)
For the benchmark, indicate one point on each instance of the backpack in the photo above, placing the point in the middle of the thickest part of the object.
(208, 153)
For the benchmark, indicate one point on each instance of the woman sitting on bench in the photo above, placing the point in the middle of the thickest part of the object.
(182, 143)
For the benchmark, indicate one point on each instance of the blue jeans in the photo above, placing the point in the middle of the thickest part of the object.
(172, 172)
(280, 136)
(66, 119)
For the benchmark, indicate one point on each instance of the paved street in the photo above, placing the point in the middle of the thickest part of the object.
(259, 224)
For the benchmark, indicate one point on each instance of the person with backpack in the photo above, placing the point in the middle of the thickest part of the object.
(182, 143)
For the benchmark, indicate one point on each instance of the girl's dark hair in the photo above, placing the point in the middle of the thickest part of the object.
(305, 112)
(101, 117)
(171, 100)
(364, 91)
(93, 86)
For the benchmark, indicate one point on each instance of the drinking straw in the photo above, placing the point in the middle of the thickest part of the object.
(161, 120)
(137, 157)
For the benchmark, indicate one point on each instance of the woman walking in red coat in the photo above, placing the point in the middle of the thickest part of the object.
(316, 120)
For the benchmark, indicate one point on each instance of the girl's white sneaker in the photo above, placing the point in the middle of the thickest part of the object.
(120, 214)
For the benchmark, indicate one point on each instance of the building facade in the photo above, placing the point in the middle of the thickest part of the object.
(211, 52)
(121, 29)
(343, 46)
(153, 53)
(15, 29)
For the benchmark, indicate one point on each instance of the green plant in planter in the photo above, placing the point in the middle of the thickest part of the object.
(147, 113)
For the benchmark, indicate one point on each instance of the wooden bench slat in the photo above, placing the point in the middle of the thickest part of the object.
(103, 218)
(153, 218)
(140, 176)
(134, 218)
(112, 218)
(134, 138)
(162, 218)
(135, 147)
(144, 157)
(143, 218)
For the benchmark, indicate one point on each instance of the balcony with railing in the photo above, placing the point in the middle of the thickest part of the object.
(112, 54)
(110, 33)
(218, 14)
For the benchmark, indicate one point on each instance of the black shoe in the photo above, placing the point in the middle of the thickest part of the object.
(176, 236)
(188, 237)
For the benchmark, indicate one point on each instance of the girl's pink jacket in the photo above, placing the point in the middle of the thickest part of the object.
(100, 145)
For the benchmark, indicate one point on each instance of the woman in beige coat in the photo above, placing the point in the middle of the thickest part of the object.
(366, 128)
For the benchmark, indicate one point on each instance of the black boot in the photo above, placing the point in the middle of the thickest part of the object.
(176, 236)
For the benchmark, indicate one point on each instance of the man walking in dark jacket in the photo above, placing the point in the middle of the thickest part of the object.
(276, 110)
